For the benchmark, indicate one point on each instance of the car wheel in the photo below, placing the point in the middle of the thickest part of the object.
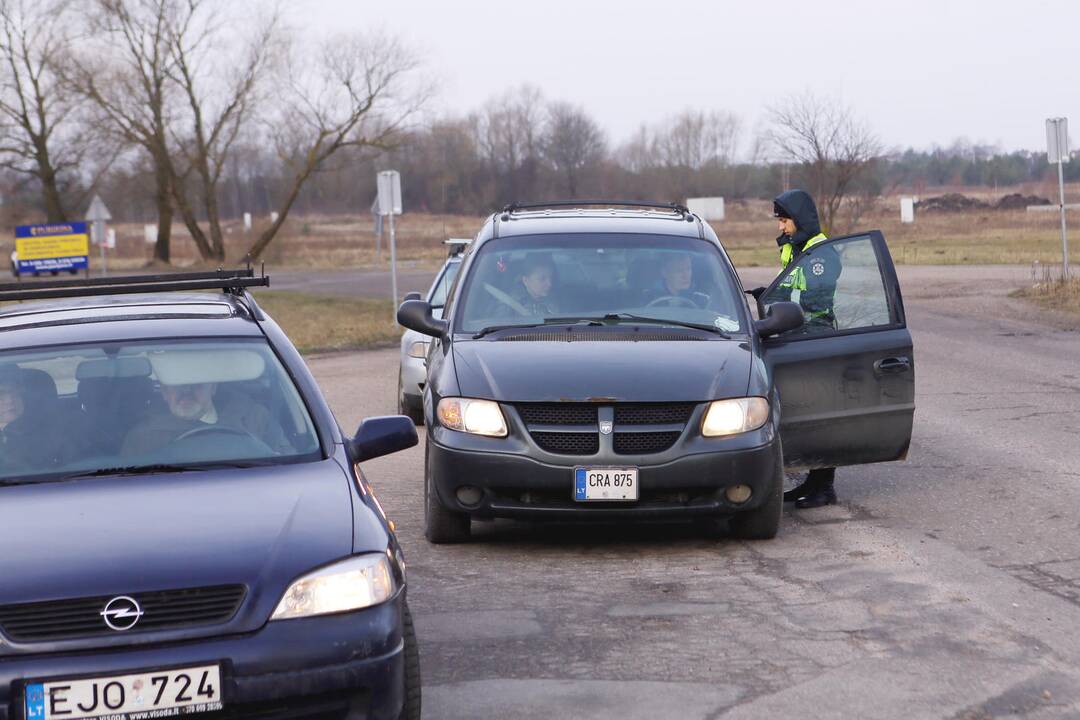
(411, 710)
(763, 522)
(406, 408)
(441, 525)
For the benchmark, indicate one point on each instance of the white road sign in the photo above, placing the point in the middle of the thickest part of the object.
(389, 183)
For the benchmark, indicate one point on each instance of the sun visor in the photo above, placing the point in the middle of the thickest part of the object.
(188, 367)
(119, 367)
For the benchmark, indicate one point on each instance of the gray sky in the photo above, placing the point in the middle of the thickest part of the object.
(919, 72)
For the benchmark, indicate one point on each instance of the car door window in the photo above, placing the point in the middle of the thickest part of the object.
(839, 286)
(439, 292)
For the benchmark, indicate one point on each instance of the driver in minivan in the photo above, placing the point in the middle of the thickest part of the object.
(534, 286)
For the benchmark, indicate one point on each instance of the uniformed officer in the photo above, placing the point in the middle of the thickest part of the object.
(815, 279)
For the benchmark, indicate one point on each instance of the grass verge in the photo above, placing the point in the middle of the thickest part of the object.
(328, 323)
(1053, 295)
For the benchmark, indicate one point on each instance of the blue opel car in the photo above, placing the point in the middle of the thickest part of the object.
(186, 528)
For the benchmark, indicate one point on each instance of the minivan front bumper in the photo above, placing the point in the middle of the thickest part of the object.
(517, 485)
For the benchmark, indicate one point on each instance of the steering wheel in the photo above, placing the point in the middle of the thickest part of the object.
(678, 300)
(225, 432)
(505, 299)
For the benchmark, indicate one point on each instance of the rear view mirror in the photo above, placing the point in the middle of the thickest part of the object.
(378, 436)
(780, 317)
(414, 295)
(416, 315)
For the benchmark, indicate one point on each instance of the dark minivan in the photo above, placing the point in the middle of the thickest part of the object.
(186, 529)
(600, 361)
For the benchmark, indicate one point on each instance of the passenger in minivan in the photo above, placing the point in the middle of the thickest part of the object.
(534, 286)
(198, 407)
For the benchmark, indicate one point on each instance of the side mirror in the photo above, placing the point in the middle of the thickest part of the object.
(414, 295)
(378, 436)
(781, 317)
(416, 315)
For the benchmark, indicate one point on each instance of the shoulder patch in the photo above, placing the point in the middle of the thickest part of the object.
(817, 267)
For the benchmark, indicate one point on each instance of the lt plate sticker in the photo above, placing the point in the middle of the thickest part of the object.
(579, 484)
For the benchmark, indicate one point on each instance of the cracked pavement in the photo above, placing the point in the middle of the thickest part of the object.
(944, 586)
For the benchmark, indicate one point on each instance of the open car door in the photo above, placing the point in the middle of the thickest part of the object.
(847, 377)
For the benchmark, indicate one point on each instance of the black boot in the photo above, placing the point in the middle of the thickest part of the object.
(820, 491)
(804, 488)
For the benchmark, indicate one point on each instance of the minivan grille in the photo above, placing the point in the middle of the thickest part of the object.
(568, 443)
(653, 413)
(644, 443)
(558, 414)
(81, 617)
(573, 428)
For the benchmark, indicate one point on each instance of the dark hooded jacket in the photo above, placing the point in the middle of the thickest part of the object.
(824, 267)
(800, 207)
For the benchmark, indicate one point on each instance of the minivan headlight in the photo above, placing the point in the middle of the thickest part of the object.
(737, 415)
(352, 584)
(480, 417)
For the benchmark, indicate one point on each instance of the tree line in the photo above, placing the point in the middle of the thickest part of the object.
(196, 111)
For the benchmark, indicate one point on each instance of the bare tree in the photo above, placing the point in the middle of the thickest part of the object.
(39, 136)
(695, 138)
(572, 141)
(124, 70)
(355, 94)
(509, 135)
(831, 146)
(219, 88)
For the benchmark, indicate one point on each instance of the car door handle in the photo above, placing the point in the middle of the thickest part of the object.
(892, 365)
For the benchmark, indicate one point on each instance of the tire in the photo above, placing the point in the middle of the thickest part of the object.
(441, 526)
(406, 408)
(763, 522)
(411, 709)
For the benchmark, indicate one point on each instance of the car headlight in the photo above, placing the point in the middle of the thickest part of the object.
(352, 584)
(738, 415)
(418, 349)
(480, 417)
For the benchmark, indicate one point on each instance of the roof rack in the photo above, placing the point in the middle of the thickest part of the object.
(456, 246)
(515, 206)
(228, 281)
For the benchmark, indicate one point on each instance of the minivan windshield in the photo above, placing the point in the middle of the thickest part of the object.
(661, 278)
(148, 406)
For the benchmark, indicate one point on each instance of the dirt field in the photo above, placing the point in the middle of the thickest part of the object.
(980, 235)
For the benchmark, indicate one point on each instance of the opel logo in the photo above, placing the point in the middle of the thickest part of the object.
(605, 427)
(121, 613)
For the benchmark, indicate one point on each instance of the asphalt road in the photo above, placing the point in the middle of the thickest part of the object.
(945, 586)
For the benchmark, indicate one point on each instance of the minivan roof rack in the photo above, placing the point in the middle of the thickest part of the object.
(515, 206)
(229, 281)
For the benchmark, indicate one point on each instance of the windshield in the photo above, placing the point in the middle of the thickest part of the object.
(523, 280)
(165, 404)
(442, 285)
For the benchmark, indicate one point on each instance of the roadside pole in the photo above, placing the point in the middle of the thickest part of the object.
(96, 215)
(389, 199)
(1057, 150)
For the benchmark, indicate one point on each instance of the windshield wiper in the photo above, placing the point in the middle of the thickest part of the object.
(547, 321)
(157, 468)
(618, 317)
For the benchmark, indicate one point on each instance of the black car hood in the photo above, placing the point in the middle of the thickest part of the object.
(261, 527)
(588, 371)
